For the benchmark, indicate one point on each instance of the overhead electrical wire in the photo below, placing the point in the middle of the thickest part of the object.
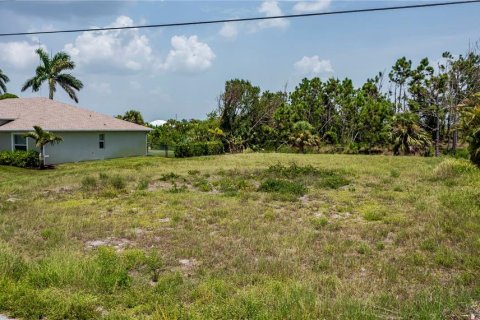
(288, 16)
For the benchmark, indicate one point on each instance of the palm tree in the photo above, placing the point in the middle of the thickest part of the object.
(302, 136)
(132, 116)
(470, 125)
(3, 80)
(50, 70)
(42, 138)
(407, 136)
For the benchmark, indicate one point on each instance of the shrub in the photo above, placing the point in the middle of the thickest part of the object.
(143, 184)
(18, 158)
(89, 183)
(451, 168)
(196, 149)
(118, 182)
(283, 186)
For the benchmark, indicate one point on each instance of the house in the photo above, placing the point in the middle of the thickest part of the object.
(87, 135)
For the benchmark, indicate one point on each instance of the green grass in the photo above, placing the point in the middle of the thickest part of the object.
(249, 236)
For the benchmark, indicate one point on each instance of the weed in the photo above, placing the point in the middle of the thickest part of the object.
(143, 184)
(319, 223)
(89, 183)
(118, 182)
(283, 186)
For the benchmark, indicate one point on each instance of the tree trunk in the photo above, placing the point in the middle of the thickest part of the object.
(437, 136)
(51, 89)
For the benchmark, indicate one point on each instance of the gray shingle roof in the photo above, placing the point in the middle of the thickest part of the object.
(51, 115)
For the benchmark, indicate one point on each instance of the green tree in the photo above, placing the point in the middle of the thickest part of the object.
(399, 75)
(302, 136)
(470, 126)
(238, 107)
(407, 135)
(42, 138)
(3, 80)
(132, 116)
(51, 71)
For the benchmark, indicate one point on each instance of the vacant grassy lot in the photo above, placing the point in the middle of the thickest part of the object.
(251, 236)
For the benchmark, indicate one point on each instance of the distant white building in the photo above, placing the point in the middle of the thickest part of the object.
(158, 123)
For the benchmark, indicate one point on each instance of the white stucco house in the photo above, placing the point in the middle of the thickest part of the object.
(87, 135)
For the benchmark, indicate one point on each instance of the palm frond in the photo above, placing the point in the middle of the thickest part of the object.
(69, 90)
(70, 80)
(43, 57)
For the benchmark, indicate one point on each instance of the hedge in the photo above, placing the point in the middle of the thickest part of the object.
(22, 159)
(196, 149)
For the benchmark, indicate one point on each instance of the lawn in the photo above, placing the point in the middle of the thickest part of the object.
(249, 236)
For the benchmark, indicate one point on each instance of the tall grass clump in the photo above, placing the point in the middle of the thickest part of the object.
(283, 186)
(452, 168)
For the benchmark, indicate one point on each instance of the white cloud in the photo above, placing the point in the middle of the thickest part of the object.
(101, 87)
(311, 6)
(270, 8)
(312, 65)
(125, 50)
(188, 54)
(19, 54)
(229, 30)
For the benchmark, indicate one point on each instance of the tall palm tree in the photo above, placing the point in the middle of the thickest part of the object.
(407, 136)
(3, 80)
(470, 125)
(42, 138)
(50, 70)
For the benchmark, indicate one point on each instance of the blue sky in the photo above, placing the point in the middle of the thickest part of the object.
(181, 71)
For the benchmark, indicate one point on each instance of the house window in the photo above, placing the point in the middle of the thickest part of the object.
(101, 141)
(19, 142)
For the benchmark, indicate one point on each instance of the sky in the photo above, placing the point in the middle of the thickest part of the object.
(179, 72)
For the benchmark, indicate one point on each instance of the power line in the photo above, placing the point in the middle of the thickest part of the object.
(177, 24)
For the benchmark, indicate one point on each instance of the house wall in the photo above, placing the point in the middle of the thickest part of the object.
(5, 141)
(81, 146)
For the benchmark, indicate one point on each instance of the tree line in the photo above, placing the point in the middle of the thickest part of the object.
(426, 109)
(411, 109)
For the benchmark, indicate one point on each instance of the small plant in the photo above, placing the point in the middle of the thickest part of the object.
(169, 177)
(89, 183)
(363, 248)
(103, 176)
(177, 189)
(374, 213)
(118, 182)
(319, 223)
(333, 181)
(283, 186)
(143, 184)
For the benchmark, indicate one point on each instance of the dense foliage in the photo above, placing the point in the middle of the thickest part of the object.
(22, 159)
(196, 149)
(132, 116)
(412, 109)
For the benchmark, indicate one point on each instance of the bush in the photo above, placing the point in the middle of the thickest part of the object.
(89, 183)
(196, 149)
(22, 159)
(283, 186)
(118, 182)
(451, 168)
